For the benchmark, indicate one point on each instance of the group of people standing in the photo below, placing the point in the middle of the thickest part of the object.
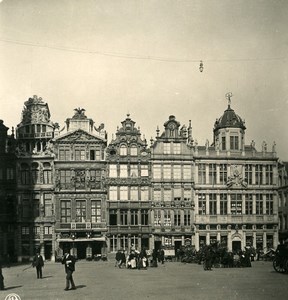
(139, 259)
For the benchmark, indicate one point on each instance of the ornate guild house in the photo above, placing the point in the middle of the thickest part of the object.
(71, 188)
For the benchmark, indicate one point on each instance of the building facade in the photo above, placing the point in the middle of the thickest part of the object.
(7, 194)
(283, 201)
(71, 189)
(128, 187)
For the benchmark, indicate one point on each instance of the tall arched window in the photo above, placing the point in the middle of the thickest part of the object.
(35, 173)
(47, 177)
(25, 174)
(133, 150)
(123, 150)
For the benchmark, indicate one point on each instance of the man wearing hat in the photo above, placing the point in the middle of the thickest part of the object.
(69, 261)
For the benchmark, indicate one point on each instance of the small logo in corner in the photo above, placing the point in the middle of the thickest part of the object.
(12, 297)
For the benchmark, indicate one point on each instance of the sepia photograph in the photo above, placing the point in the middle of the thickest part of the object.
(143, 149)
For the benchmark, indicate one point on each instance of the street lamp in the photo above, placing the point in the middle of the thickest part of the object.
(201, 68)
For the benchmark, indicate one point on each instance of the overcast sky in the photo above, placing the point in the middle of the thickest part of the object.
(113, 57)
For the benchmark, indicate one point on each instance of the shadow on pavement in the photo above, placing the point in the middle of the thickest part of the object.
(80, 286)
(12, 287)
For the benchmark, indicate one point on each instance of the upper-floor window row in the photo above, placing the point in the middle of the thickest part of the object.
(81, 153)
(125, 171)
(132, 150)
(168, 171)
(251, 174)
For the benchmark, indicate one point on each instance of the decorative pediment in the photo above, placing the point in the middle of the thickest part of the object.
(79, 136)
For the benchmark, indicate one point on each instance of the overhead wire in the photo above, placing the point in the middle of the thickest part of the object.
(130, 56)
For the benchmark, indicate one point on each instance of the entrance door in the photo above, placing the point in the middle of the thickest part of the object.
(48, 250)
(145, 243)
(81, 250)
(157, 245)
(236, 246)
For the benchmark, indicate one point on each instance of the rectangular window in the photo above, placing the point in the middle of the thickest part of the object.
(177, 172)
(212, 173)
(234, 142)
(223, 143)
(65, 179)
(157, 195)
(144, 193)
(10, 173)
(123, 217)
(223, 204)
(167, 217)
(80, 153)
(95, 179)
(113, 193)
(223, 173)
(236, 204)
(248, 174)
(25, 230)
(80, 211)
(48, 206)
(113, 171)
(269, 204)
(187, 195)
(133, 151)
(176, 148)
(95, 211)
(47, 176)
(157, 171)
(134, 193)
(112, 217)
(167, 195)
(26, 206)
(64, 153)
(259, 204)
(65, 211)
(134, 217)
(36, 205)
(187, 172)
(144, 171)
(124, 241)
(123, 171)
(144, 217)
(258, 175)
(248, 204)
(269, 174)
(212, 204)
(177, 194)
(157, 217)
(133, 171)
(123, 150)
(177, 217)
(167, 172)
(202, 174)
(47, 230)
(187, 217)
(166, 148)
(202, 204)
(36, 230)
(123, 193)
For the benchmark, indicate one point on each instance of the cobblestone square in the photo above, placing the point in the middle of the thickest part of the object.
(173, 280)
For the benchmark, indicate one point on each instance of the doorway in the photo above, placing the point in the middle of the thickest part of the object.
(236, 246)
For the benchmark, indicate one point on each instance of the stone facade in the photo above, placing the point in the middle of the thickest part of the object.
(70, 188)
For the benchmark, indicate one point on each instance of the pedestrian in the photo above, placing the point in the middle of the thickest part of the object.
(38, 262)
(69, 261)
(118, 258)
(1, 279)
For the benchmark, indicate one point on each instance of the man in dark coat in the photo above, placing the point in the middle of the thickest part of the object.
(1, 278)
(38, 262)
(69, 261)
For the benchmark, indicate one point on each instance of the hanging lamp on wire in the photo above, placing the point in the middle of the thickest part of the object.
(201, 68)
